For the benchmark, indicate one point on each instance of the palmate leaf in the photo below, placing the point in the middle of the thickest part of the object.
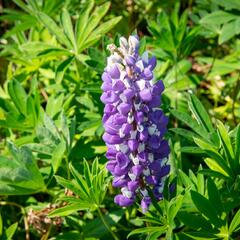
(89, 187)
(53, 140)
(20, 174)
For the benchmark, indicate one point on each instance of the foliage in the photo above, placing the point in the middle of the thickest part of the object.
(53, 181)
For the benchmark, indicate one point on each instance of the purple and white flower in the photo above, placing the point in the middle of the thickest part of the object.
(134, 124)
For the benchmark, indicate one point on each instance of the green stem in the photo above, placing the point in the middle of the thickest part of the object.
(106, 224)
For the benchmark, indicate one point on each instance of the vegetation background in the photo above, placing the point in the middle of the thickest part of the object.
(53, 184)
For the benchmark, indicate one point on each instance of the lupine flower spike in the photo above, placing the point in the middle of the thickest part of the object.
(134, 124)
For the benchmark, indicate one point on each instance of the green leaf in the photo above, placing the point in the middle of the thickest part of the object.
(217, 17)
(148, 230)
(80, 181)
(235, 224)
(18, 95)
(69, 185)
(229, 30)
(69, 209)
(54, 52)
(185, 118)
(20, 27)
(87, 173)
(62, 67)
(1, 225)
(58, 155)
(68, 28)
(215, 167)
(237, 145)
(226, 144)
(185, 180)
(200, 181)
(201, 235)
(206, 208)
(173, 208)
(50, 126)
(200, 113)
(214, 196)
(23, 6)
(20, 175)
(142, 47)
(193, 221)
(193, 150)
(54, 105)
(212, 173)
(101, 30)
(215, 156)
(185, 133)
(228, 5)
(50, 24)
(92, 23)
(82, 22)
(33, 4)
(11, 231)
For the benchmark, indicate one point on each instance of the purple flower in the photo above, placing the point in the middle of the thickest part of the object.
(134, 124)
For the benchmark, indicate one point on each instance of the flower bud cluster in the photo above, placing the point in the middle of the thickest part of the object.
(134, 124)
